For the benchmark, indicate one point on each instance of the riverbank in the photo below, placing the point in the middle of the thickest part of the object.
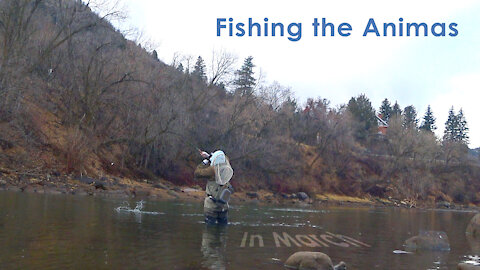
(116, 187)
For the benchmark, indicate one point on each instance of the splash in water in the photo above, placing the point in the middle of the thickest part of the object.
(401, 252)
(475, 260)
(137, 210)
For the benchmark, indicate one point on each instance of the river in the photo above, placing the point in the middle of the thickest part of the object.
(43, 231)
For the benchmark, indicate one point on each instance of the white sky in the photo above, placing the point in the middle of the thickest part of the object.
(440, 71)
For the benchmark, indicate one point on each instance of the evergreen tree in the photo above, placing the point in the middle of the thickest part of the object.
(199, 69)
(410, 117)
(396, 110)
(180, 67)
(386, 110)
(155, 55)
(428, 121)
(451, 127)
(245, 81)
(363, 113)
(456, 129)
(462, 134)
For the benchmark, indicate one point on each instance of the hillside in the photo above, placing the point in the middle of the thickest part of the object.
(79, 100)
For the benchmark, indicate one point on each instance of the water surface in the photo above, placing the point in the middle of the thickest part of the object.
(75, 232)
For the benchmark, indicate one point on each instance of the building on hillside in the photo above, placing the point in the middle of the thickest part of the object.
(382, 125)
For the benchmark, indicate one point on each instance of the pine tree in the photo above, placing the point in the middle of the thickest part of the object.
(462, 135)
(410, 117)
(199, 69)
(386, 110)
(362, 111)
(451, 127)
(428, 121)
(396, 110)
(155, 55)
(180, 67)
(245, 81)
(456, 129)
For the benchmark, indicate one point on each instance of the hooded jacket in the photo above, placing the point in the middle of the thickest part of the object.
(206, 172)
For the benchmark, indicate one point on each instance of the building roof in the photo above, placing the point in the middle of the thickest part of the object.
(381, 122)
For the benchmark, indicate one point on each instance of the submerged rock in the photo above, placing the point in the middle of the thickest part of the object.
(428, 240)
(467, 266)
(304, 260)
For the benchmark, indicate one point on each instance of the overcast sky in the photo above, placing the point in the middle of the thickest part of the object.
(440, 71)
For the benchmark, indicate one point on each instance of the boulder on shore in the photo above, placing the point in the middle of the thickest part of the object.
(302, 196)
(304, 260)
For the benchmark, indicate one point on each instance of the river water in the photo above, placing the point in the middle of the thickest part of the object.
(40, 231)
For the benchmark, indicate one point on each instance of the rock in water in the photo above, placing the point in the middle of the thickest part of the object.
(306, 260)
(473, 227)
(467, 266)
(428, 240)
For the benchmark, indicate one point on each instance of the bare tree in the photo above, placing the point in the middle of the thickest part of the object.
(275, 95)
(221, 67)
(16, 21)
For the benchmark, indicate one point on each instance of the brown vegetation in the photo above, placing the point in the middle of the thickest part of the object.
(78, 98)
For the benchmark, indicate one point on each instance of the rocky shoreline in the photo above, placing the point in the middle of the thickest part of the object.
(124, 188)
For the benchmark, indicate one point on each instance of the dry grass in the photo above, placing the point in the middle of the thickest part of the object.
(342, 198)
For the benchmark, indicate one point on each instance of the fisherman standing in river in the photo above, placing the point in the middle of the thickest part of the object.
(216, 169)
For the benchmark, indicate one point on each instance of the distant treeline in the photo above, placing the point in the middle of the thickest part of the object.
(77, 97)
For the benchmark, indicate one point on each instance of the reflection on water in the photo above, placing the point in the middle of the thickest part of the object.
(214, 247)
(74, 232)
